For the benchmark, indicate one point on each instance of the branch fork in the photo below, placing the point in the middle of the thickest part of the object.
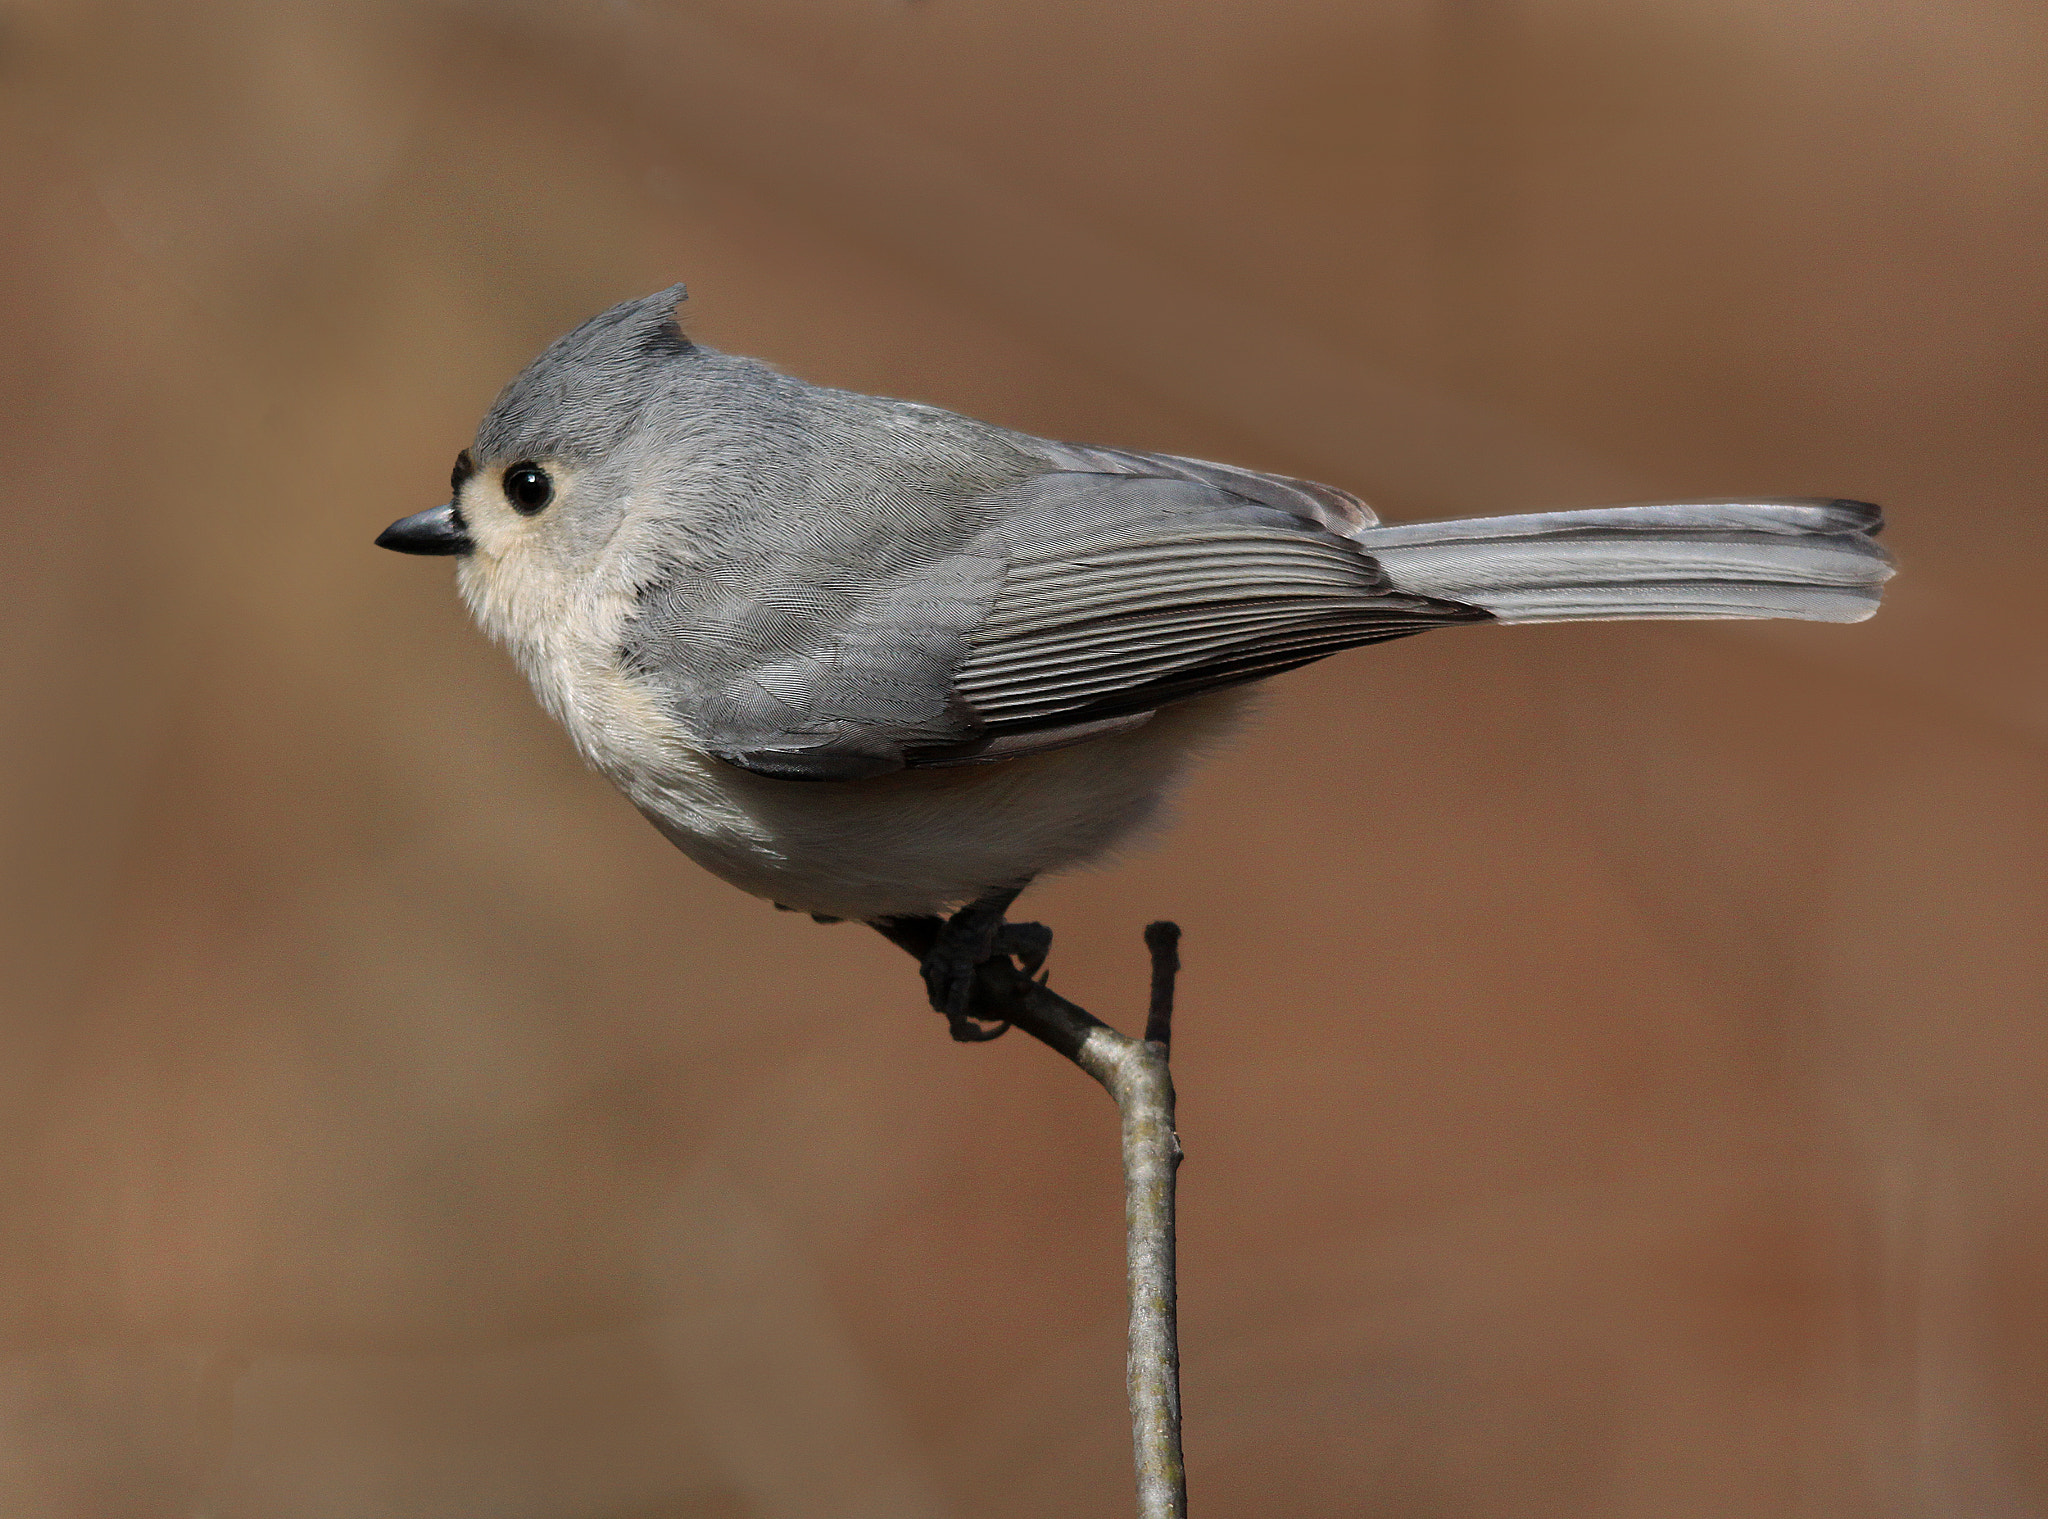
(996, 986)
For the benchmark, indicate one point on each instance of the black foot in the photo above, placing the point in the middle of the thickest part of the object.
(968, 940)
(1028, 944)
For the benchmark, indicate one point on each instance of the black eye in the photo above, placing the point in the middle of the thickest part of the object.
(528, 488)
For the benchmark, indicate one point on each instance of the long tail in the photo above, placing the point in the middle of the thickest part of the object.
(1811, 559)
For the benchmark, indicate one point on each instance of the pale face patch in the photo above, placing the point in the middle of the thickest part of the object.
(535, 580)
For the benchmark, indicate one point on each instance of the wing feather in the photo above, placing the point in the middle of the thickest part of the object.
(1127, 591)
(1011, 617)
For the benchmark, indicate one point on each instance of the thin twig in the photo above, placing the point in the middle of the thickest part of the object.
(1134, 1072)
(1144, 1099)
(1163, 940)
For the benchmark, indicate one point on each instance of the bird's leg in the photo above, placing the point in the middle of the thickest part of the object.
(954, 950)
(966, 942)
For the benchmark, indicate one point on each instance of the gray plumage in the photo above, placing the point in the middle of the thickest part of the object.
(869, 657)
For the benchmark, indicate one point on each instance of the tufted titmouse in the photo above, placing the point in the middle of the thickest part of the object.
(866, 658)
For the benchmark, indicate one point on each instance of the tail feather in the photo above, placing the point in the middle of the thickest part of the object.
(1811, 559)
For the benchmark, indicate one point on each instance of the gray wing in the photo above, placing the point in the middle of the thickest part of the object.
(1125, 592)
(805, 667)
(1070, 604)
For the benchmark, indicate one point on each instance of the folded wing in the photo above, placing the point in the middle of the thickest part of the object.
(1127, 591)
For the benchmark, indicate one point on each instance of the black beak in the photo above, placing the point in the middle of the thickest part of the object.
(437, 530)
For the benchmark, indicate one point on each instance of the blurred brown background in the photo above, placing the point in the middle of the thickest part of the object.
(1614, 1060)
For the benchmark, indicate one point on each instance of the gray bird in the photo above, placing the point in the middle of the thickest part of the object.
(870, 659)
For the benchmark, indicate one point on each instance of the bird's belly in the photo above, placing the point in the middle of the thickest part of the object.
(924, 840)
